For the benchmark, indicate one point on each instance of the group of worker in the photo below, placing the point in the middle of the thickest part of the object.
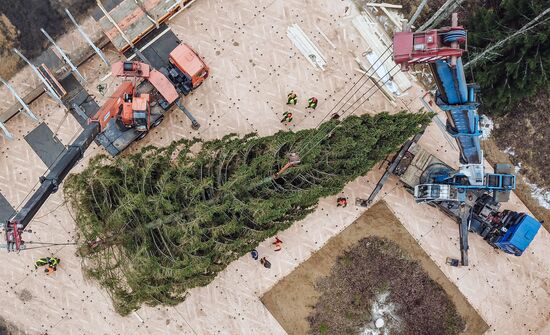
(51, 262)
(293, 100)
(278, 244)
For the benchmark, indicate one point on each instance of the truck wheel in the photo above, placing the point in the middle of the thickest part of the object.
(157, 122)
(141, 136)
(199, 85)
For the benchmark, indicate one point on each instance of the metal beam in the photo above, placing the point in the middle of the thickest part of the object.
(65, 57)
(447, 8)
(179, 3)
(384, 5)
(390, 170)
(416, 14)
(465, 214)
(49, 89)
(6, 132)
(88, 40)
(24, 106)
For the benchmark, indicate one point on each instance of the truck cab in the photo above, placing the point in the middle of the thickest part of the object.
(519, 229)
(186, 70)
(135, 112)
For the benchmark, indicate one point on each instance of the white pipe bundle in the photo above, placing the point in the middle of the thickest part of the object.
(306, 46)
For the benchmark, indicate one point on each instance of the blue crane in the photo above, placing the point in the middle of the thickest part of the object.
(469, 194)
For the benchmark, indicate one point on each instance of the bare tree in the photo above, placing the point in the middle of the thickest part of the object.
(448, 7)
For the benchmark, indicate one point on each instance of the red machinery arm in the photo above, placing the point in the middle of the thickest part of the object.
(141, 70)
(110, 108)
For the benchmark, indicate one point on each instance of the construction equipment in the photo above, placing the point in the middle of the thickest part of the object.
(137, 106)
(469, 194)
(186, 70)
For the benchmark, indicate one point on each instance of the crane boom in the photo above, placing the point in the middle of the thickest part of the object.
(49, 184)
(458, 100)
(470, 195)
(440, 48)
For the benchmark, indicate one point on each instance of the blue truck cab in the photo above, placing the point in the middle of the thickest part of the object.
(520, 231)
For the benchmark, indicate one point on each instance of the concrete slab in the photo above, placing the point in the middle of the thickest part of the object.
(45, 144)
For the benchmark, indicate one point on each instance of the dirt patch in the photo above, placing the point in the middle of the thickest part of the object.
(20, 24)
(525, 132)
(376, 282)
(291, 301)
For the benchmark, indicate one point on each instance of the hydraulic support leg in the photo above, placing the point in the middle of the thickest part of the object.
(464, 218)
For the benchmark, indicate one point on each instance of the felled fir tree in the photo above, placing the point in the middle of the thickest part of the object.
(154, 224)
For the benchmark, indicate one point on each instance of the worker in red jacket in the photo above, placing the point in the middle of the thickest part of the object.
(287, 117)
(341, 202)
(278, 244)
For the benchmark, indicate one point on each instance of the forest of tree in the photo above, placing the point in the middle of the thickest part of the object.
(156, 223)
(520, 68)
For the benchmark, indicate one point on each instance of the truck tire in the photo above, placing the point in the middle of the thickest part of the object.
(141, 136)
(157, 122)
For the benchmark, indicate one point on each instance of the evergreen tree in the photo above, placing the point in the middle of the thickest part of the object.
(157, 223)
(521, 66)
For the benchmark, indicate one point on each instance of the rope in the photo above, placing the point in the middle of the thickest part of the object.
(374, 86)
(357, 90)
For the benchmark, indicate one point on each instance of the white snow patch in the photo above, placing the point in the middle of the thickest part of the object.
(486, 126)
(384, 310)
(510, 151)
(541, 194)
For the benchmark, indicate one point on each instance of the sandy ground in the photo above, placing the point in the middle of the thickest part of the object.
(293, 298)
(510, 293)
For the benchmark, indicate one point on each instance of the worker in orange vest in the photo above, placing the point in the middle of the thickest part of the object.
(278, 244)
(51, 262)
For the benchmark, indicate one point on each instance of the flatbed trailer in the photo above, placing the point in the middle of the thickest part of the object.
(126, 21)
